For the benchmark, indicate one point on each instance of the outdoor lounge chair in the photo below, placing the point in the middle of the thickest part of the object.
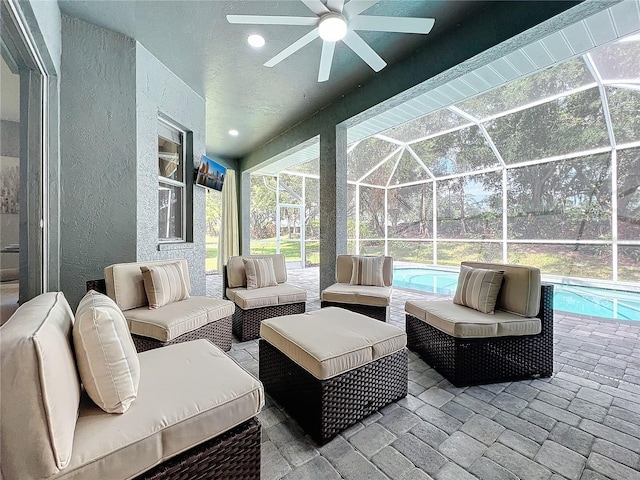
(256, 303)
(469, 347)
(360, 296)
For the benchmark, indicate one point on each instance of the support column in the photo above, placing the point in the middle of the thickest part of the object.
(333, 201)
(244, 210)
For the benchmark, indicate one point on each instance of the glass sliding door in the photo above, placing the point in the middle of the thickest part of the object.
(25, 131)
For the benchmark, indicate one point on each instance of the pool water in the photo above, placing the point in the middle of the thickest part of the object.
(598, 302)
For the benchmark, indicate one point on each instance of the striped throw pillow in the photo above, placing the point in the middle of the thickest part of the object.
(367, 271)
(260, 273)
(106, 356)
(164, 284)
(478, 288)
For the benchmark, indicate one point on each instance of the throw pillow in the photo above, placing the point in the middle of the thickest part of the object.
(367, 271)
(106, 356)
(260, 273)
(478, 288)
(164, 284)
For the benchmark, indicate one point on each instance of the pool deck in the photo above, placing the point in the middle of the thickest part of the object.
(582, 423)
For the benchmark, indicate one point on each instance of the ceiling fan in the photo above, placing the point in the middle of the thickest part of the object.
(335, 21)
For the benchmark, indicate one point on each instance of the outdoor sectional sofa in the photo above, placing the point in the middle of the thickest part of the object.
(194, 415)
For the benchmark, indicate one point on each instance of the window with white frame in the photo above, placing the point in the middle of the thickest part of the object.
(171, 183)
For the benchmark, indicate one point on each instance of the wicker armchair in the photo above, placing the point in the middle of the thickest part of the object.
(365, 299)
(194, 413)
(470, 348)
(252, 306)
(182, 321)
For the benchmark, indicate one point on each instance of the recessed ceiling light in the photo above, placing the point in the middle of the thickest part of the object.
(256, 41)
(233, 132)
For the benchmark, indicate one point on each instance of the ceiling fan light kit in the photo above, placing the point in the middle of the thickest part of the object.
(334, 22)
(332, 27)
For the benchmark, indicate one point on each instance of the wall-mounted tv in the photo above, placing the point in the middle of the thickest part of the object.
(210, 174)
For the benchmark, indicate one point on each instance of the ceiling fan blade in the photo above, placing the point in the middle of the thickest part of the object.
(335, 5)
(392, 24)
(271, 20)
(325, 60)
(294, 47)
(364, 51)
(316, 6)
(355, 7)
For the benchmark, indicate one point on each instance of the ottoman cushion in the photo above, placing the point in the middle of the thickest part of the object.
(332, 340)
(168, 322)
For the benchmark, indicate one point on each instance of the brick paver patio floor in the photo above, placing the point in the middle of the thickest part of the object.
(582, 423)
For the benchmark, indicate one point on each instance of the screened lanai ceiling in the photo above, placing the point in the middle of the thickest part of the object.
(570, 44)
(585, 106)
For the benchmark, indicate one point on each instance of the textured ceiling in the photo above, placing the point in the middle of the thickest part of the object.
(210, 55)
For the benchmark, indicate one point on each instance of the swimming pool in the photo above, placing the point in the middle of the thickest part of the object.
(598, 302)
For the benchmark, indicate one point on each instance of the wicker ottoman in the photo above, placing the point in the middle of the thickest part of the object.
(332, 367)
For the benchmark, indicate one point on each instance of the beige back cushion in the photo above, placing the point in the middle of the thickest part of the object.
(478, 288)
(260, 273)
(344, 269)
(125, 284)
(164, 284)
(520, 291)
(107, 358)
(236, 274)
(39, 390)
(367, 271)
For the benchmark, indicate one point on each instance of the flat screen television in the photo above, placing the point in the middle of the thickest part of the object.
(210, 174)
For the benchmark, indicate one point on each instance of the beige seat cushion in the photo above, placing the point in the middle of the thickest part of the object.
(236, 274)
(189, 392)
(358, 294)
(178, 318)
(125, 283)
(281, 294)
(331, 341)
(463, 322)
(39, 389)
(105, 353)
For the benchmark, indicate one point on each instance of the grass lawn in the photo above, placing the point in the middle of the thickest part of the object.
(291, 250)
(211, 262)
(551, 259)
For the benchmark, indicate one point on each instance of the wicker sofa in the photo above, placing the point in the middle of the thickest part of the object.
(469, 347)
(193, 417)
(365, 299)
(190, 319)
(254, 305)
